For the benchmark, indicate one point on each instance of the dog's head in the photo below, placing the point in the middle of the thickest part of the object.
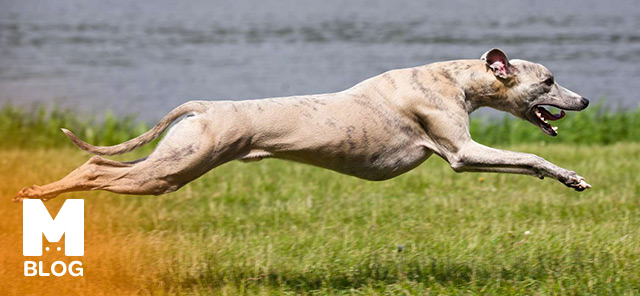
(529, 87)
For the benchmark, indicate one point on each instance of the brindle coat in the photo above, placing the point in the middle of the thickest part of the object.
(376, 130)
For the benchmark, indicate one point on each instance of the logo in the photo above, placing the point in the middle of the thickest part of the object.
(37, 222)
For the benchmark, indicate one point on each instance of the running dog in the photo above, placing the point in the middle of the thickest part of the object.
(376, 130)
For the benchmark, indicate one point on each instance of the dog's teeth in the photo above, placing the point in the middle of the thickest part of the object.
(555, 128)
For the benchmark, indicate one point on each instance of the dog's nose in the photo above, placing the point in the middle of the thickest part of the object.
(585, 102)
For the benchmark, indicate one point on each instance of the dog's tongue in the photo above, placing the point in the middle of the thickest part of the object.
(547, 115)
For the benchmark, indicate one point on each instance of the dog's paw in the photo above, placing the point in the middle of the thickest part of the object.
(576, 182)
(27, 192)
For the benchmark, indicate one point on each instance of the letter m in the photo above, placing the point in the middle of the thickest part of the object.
(37, 221)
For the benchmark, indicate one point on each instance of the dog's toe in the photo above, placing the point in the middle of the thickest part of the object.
(577, 182)
(581, 185)
(26, 192)
(584, 184)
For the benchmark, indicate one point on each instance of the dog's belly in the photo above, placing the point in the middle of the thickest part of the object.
(388, 165)
(376, 165)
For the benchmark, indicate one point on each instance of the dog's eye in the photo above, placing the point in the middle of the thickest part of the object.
(549, 81)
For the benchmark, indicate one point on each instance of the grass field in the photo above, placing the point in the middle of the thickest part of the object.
(281, 228)
(39, 127)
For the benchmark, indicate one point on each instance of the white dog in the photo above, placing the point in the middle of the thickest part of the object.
(376, 130)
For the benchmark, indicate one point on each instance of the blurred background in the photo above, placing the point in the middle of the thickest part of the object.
(146, 57)
(238, 229)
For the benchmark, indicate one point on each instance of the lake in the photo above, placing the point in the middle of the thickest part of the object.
(146, 57)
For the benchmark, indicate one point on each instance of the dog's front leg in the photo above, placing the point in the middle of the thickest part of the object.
(474, 157)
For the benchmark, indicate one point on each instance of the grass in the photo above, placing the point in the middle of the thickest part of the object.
(40, 128)
(281, 228)
(595, 125)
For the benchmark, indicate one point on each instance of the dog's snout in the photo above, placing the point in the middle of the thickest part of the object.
(585, 102)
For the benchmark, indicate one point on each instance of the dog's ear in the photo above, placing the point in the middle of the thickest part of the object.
(498, 62)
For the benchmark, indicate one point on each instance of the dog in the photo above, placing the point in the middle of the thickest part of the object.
(375, 130)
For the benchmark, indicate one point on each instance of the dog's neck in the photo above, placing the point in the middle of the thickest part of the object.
(480, 86)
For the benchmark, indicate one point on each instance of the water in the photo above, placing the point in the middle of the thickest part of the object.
(146, 57)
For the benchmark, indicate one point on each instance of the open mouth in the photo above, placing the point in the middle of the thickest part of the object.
(543, 116)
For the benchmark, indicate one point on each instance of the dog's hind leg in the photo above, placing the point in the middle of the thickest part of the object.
(188, 151)
(89, 176)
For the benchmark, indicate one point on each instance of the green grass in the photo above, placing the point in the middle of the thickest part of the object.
(595, 125)
(280, 228)
(275, 227)
(40, 127)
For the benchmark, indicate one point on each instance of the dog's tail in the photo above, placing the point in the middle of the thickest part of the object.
(156, 131)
